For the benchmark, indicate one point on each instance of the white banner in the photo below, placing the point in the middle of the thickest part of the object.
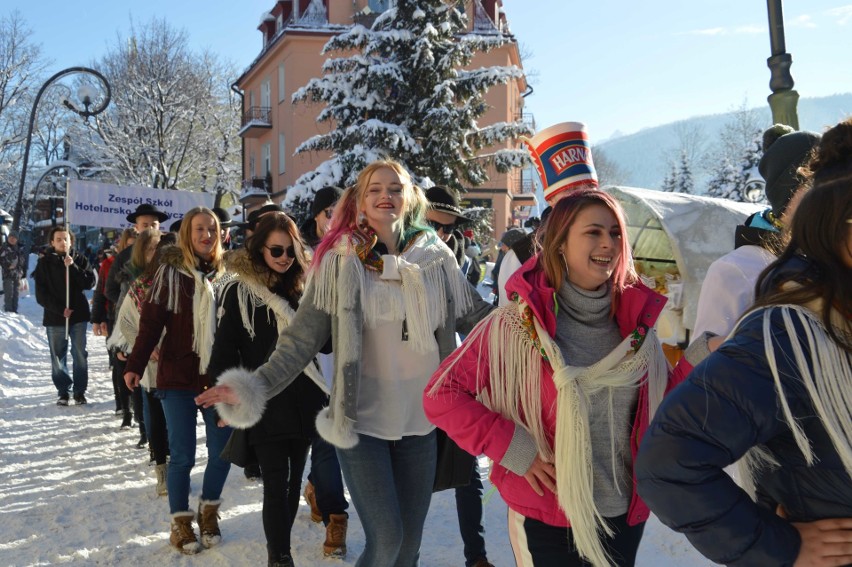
(103, 205)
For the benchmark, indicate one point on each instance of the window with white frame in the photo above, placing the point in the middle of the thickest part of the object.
(265, 98)
(282, 92)
(282, 153)
(266, 158)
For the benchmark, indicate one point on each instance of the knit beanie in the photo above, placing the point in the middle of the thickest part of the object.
(784, 151)
(324, 198)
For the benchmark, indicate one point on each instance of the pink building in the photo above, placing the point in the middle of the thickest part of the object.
(293, 35)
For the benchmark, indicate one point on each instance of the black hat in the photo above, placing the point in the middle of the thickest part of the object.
(255, 215)
(223, 216)
(324, 198)
(784, 151)
(511, 236)
(146, 209)
(175, 226)
(445, 200)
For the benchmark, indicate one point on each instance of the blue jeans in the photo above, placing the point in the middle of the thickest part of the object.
(326, 478)
(180, 411)
(469, 510)
(391, 486)
(10, 295)
(58, 345)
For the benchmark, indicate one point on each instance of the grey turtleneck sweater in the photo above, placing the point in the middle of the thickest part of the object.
(585, 333)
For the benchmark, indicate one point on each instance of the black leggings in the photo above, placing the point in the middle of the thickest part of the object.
(282, 463)
(158, 437)
(551, 546)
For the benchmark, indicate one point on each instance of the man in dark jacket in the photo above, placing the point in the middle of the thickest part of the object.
(63, 273)
(13, 262)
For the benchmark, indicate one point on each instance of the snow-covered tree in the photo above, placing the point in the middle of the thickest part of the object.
(724, 180)
(404, 89)
(171, 123)
(670, 180)
(21, 70)
(685, 182)
(736, 179)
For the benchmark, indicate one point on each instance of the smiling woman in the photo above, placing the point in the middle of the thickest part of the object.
(556, 387)
(178, 318)
(390, 296)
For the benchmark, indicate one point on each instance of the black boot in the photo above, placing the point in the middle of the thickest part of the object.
(127, 422)
(143, 438)
(279, 559)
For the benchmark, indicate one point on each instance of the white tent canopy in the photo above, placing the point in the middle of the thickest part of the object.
(682, 233)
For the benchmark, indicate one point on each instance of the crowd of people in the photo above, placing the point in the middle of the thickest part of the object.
(357, 346)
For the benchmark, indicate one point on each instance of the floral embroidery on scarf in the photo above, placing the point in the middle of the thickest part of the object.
(638, 336)
(528, 325)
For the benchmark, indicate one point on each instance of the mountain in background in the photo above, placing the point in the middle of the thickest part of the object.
(643, 159)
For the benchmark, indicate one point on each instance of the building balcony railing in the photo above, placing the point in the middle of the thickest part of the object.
(256, 121)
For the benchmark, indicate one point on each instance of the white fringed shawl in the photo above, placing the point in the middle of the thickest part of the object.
(203, 307)
(825, 370)
(422, 268)
(250, 296)
(515, 374)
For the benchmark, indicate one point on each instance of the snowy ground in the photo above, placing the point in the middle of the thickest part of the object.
(74, 488)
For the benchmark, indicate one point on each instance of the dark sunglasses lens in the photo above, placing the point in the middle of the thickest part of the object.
(291, 251)
(276, 251)
(446, 228)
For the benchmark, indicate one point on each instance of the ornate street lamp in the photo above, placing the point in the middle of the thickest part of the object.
(92, 101)
(783, 99)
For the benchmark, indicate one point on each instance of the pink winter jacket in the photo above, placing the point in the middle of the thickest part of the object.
(455, 409)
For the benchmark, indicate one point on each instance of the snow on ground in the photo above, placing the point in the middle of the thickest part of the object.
(76, 490)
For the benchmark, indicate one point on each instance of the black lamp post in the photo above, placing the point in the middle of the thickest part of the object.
(783, 99)
(92, 104)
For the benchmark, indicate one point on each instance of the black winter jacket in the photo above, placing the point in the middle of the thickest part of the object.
(727, 405)
(291, 413)
(49, 279)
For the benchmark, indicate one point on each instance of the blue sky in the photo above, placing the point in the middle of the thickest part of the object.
(617, 65)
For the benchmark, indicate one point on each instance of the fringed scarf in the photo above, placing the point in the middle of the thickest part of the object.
(252, 294)
(422, 269)
(203, 306)
(517, 343)
(825, 370)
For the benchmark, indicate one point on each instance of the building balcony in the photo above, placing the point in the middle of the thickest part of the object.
(257, 120)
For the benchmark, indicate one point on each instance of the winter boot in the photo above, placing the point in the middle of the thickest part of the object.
(183, 537)
(127, 422)
(208, 522)
(143, 438)
(311, 499)
(280, 560)
(335, 536)
(161, 471)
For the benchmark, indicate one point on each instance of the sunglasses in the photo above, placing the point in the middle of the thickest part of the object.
(446, 228)
(328, 212)
(278, 251)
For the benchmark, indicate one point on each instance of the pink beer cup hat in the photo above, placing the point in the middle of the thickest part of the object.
(563, 157)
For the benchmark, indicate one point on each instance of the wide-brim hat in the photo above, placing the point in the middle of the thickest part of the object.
(147, 209)
(255, 215)
(224, 217)
(445, 200)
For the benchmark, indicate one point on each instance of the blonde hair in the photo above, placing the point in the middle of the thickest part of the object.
(184, 243)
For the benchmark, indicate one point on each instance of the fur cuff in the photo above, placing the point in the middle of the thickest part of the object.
(339, 434)
(252, 394)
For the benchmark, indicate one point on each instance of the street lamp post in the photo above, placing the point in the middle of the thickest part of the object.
(92, 105)
(783, 99)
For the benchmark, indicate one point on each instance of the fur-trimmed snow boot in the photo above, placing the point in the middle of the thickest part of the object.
(208, 522)
(161, 471)
(183, 536)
